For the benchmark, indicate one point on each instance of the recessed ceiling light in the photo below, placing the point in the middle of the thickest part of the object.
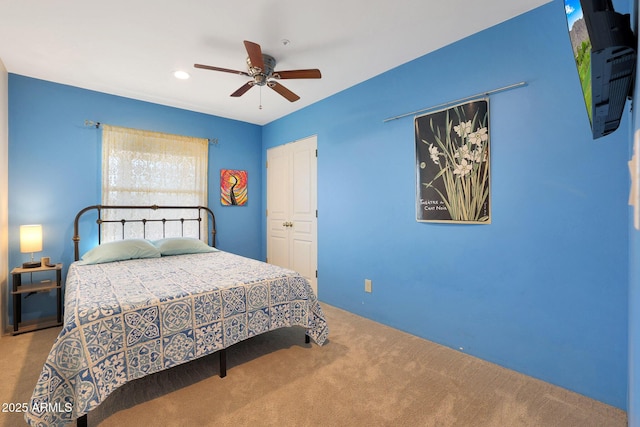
(182, 75)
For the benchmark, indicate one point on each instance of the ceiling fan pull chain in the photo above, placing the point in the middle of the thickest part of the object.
(260, 107)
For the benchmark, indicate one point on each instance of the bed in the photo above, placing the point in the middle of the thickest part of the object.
(141, 306)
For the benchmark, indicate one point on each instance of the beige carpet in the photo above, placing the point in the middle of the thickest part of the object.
(366, 374)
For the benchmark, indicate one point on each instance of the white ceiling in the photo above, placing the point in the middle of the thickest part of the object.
(132, 47)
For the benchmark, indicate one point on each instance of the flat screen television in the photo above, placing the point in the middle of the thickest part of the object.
(604, 49)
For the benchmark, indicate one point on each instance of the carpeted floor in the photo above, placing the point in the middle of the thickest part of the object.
(366, 374)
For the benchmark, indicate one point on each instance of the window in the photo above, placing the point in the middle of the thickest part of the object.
(151, 168)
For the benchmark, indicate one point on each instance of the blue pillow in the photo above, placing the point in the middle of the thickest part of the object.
(120, 250)
(182, 245)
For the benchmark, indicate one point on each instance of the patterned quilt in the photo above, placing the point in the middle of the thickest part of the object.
(127, 319)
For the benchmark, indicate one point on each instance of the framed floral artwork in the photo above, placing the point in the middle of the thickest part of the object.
(453, 164)
(233, 187)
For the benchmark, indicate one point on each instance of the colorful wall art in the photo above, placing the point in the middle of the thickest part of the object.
(233, 187)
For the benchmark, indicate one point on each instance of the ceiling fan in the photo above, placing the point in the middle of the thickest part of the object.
(261, 70)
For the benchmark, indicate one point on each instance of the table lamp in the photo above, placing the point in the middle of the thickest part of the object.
(31, 241)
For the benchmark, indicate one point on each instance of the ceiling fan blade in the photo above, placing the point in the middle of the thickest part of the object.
(283, 91)
(243, 89)
(255, 54)
(298, 74)
(226, 70)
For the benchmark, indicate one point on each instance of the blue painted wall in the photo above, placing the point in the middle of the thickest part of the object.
(55, 166)
(543, 289)
(633, 410)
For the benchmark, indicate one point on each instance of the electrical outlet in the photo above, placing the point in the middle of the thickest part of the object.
(367, 285)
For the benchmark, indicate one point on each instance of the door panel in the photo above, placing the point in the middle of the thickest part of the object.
(279, 251)
(303, 260)
(302, 182)
(278, 183)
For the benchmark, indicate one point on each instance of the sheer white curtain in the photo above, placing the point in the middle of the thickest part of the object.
(152, 168)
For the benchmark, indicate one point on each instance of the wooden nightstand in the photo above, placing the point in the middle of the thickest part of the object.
(19, 289)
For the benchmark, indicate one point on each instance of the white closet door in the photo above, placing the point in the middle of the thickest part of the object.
(304, 231)
(292, 224)
(278, 191)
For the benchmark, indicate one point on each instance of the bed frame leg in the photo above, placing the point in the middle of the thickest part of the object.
(82, 421)
(307, 339)
(223, 363)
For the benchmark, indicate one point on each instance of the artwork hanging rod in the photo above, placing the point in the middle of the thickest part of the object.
(91, 123)
(457, 101)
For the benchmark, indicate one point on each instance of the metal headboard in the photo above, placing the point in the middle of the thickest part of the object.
(203, 213)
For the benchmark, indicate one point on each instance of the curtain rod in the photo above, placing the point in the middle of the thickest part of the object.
(478, 95)
(91, 123)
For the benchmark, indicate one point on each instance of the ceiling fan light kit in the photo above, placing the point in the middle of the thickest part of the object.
(261, 74)
(261, 69)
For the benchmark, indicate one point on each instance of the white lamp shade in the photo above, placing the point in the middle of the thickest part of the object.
(30, 238)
